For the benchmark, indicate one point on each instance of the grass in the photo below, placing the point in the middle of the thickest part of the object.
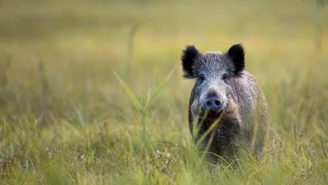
(85, 98)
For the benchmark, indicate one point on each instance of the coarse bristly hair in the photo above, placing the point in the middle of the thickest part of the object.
(235, 54)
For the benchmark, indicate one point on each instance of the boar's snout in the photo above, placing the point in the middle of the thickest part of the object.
(213, 104)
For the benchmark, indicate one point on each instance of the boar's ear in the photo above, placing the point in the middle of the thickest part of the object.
(188, 58)
(237, 56)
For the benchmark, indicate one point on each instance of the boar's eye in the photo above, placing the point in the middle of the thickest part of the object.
(201, 78)
(225, 77)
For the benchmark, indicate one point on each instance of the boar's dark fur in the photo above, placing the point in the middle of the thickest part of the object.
(224, 90)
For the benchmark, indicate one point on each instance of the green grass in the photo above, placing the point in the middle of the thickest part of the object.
(77, 106)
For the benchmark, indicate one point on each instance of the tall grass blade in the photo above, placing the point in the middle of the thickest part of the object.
(209, 130)
(130, 94)
(158, 88)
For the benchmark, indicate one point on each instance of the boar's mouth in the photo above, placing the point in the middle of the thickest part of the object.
(207, 114)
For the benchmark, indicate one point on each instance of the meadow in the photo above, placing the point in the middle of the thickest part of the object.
(91, 92)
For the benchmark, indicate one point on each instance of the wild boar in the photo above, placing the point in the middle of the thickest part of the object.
(227, 100)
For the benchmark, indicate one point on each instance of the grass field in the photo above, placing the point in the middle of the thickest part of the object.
(66, 118)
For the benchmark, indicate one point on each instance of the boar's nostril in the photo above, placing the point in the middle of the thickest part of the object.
(213, 104)
(217, 103)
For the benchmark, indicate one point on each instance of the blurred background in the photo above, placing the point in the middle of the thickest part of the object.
(58, 58)
(74, 46)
